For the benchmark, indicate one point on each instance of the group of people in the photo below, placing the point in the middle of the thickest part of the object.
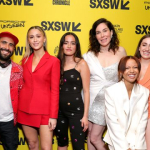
(44, 93)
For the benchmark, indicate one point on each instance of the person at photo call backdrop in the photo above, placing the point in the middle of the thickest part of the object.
(39, 98)
(11, 82)
(73, 111)
(143, 54)
(127, 108)
(102, 57)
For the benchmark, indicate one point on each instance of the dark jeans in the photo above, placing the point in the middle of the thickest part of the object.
(9, 135)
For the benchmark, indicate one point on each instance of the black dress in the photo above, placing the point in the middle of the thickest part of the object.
(71, 109)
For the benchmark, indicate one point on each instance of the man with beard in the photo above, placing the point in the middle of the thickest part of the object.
(11, 82)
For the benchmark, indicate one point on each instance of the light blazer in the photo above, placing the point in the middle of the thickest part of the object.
(97, 76)
(40, 93)
(126, 119)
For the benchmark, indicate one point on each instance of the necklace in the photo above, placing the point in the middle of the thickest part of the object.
(2, 73)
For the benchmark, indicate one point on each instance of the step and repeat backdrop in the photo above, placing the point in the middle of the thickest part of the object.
(131, 19)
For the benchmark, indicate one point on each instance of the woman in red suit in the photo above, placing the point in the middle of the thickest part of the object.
(39, 98)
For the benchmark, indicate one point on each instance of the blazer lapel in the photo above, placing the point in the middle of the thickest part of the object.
(124, 94)
(29, 63)
(96, 64)
(126, 104)
(42, 61)
(133, 101)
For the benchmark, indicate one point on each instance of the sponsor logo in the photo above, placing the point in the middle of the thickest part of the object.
(147, 5)
(118, 28)
(61, 2)
(4, 24)
(61, 26)
(56, 49)
(142, 29)
(110, 4)
(16, 2)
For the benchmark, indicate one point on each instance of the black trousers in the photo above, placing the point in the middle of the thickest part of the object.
(77, 135)
(9, 135)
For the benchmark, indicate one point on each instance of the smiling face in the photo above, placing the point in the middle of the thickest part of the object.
(7, 47)
(69, 45)
(145, 48)
(36, 39)
(131, 72)
(103, 35)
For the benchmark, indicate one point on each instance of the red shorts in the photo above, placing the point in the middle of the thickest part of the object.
(32, 119)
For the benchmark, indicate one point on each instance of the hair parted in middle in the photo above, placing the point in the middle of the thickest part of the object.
(137, 52)
(94, 45)
(29, 49)
(61, 55)
(122, 65)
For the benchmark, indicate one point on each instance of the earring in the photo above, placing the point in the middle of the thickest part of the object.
(44, 44)
(111, 36)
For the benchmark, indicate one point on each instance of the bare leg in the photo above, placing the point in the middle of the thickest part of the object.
(89, 144)
(31, 136)
(148, 135)
(46, 137)
(96, 137)
(62, 148)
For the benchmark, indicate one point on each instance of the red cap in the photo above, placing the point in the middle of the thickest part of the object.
(10, 35)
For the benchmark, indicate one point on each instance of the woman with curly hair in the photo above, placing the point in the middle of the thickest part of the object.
(102, 57)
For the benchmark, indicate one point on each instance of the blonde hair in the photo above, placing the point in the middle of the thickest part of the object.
(29, 49)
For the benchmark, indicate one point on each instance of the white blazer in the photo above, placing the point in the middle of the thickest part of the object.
(97, 76)
(126, 119)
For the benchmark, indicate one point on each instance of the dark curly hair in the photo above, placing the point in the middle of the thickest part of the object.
(94, 45)
(137, 53)
(61, 55)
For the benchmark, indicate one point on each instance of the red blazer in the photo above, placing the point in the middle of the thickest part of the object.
(40, 93)
(16, 83)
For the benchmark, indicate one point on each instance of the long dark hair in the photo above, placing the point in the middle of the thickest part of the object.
(137, 52)
(122, 65)
(61, 55)
(94, 45)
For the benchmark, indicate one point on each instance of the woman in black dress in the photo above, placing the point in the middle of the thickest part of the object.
(73, 111)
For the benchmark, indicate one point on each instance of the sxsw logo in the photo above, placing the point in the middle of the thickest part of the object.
(19, 50)
(142, 29)
(16, 2)
(61, 2)
(61, 26)
(112, 4)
